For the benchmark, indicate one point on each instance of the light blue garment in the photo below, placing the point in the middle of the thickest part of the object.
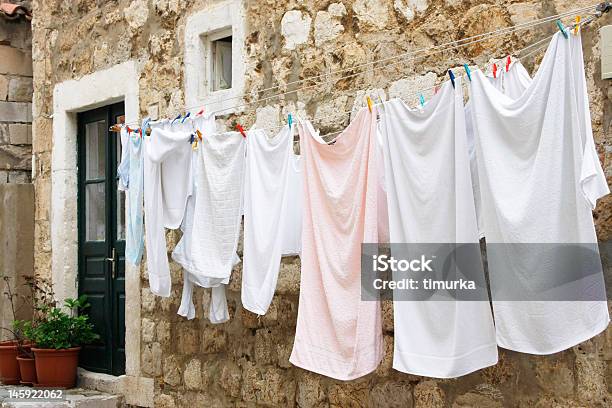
(131, 179)
(124, 165)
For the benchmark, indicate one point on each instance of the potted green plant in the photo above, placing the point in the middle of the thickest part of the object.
(58, 337)
(10, 349)
(25, 355)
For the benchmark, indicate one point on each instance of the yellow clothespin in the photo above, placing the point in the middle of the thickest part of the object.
(369, 101)
(577, 27)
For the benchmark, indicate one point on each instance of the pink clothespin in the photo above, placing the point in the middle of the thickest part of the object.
(508, 63)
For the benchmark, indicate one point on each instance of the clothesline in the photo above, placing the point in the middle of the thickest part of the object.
(402, 59)
(537, 44)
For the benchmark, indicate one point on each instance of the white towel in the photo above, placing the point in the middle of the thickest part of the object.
(272, 214)
(540, 178)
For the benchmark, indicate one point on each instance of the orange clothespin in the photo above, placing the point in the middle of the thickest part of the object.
(577, 27)
(369, 101)
(507, 63)
(495, 71)
(199, 134)
(240, 129)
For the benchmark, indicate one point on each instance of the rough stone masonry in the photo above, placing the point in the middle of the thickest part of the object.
(245, 362)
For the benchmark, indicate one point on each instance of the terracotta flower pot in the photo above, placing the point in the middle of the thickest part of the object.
(56, 368)
(9, 368)
(27, 367)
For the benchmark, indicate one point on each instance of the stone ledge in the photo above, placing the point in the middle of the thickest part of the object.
(74, 398)
(137, 391)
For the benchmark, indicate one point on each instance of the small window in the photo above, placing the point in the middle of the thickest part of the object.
(221, 60)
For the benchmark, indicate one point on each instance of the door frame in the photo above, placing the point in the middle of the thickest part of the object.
(117, 83)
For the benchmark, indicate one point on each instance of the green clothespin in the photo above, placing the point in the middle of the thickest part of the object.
(562, 29)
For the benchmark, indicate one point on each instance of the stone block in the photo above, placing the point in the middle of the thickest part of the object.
(295, 28)
(20, 89)
(473, 399)
(14, 61)
(328, 24)
(172, 371)
(393, 394)
(20, 133)
(428, 394)
(163, 333)
(151, 363)
(4, 86)
(164, 401)
(19, 177)
(350, 394)
(188, 340)
(148, 330)
(372, 15)
(193, 374)
(15, 112)
(231, 379)
(214, 339)
(148, 300)
(14, 157)
(4, 134)
(310, 391)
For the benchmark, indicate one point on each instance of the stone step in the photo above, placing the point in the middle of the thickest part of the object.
(73, 398)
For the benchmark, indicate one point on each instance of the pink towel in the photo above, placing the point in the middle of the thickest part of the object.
(338, 334)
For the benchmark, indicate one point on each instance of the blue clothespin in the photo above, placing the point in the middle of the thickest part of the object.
(452, 77)
(562, 29)
(175, 119)
(290, 120)
(185, 117)
(422, 99)
(191, 138)
(467, 70)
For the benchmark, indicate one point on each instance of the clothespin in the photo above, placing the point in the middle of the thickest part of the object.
(422, 99)
(436, 89)
(115, 128)
(369, 102)
(129, 129)
(495, 71)
(508, 63)
(577, 26)
(199, 134)
(467, 70)
(562, 29)
(290, 120)
(240, 129)
(452, 77)
(201, 112)
(185, 117)
(145, 127)
(175, 119)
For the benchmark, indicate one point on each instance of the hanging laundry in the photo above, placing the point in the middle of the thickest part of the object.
(219, 181)
(167, 166)
(540, 178)
(430, 202)
(272, 214)
(511, 82)
(338, 334)
(217, 311)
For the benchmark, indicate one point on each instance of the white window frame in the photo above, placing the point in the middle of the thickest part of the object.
(221, 20)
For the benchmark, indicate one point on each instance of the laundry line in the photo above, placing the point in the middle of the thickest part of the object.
(275, 127)
(434, 49)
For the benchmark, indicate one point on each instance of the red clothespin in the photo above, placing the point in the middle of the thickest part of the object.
(129, 129)
(507, 63)
(495, 71)
(240, 129)
(201, 112)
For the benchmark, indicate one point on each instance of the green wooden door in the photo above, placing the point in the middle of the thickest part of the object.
(101, 223)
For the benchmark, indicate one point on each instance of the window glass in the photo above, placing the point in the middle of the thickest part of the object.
(95, 225)
(95, 134)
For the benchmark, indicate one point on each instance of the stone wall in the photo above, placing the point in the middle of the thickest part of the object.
(245, 362)
(15, 101)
